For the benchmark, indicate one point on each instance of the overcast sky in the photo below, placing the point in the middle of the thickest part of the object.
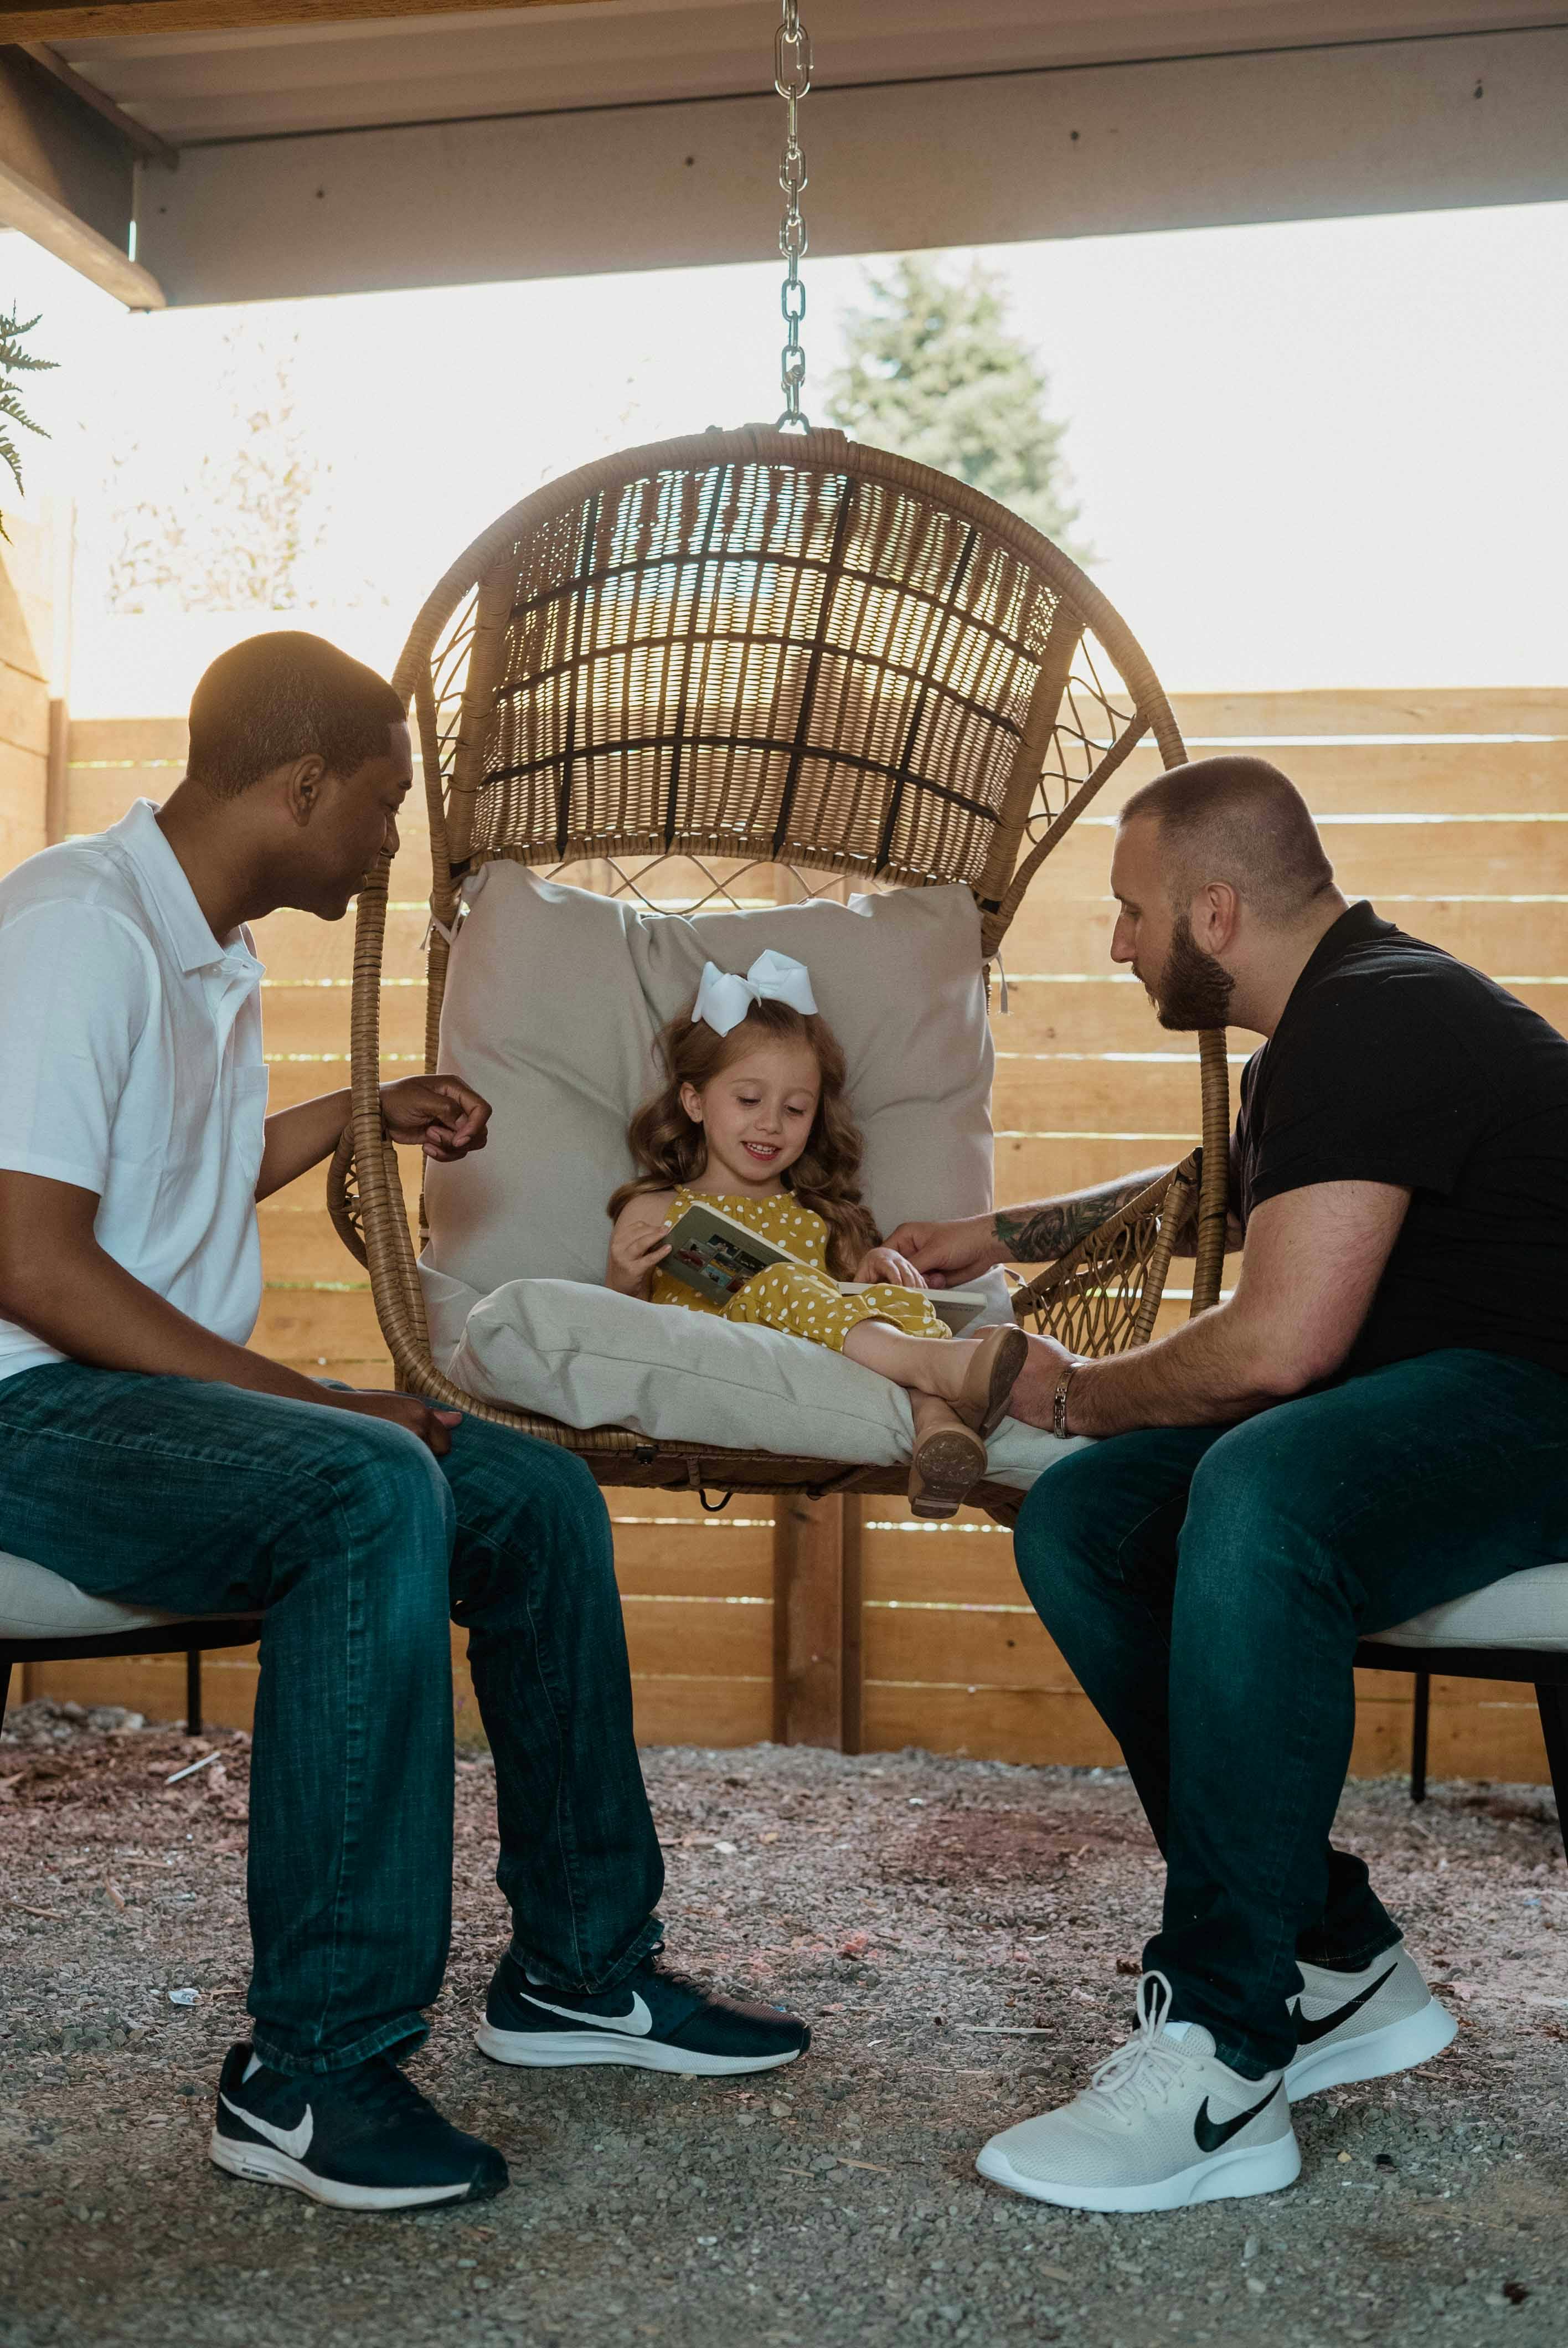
(1321, 453)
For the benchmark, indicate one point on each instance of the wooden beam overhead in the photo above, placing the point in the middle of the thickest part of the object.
(135, 134)
(1108, 150)
(82, 20)
(52, 224)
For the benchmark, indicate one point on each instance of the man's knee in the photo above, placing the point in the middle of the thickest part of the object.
(560, 1484)
(1255, 1522)
(390, 1492)
(553, 1492)
(1062, 1536)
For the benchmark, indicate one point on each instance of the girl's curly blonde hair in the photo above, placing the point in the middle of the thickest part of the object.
(671, 1148)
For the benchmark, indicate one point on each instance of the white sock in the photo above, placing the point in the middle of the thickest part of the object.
(251, 2067)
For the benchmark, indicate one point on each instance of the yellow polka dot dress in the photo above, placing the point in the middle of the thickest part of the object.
(805, 1302)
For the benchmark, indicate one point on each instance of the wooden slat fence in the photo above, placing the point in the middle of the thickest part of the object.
(1447, 807)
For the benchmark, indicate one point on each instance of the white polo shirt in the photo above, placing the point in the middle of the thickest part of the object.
(130, 1065)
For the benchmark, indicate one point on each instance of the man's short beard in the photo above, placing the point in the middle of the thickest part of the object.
(1193, 990)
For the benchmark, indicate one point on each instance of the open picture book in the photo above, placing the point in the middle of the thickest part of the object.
(715, 1255)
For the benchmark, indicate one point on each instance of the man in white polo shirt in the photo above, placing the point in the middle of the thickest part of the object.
(147, 1455)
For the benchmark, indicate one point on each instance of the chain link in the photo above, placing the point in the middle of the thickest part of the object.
(792, 79)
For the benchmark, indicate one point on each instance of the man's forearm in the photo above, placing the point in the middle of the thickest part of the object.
(89, 1308)
(1042, 1232)
(1210, 1372)
(299, 1137)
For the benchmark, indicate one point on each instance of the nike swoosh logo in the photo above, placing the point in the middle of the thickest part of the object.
(637, 2024)
(295, 2141)
(1306, 2031)
(1212, 2134)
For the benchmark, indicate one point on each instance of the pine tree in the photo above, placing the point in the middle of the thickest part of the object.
(933, 373)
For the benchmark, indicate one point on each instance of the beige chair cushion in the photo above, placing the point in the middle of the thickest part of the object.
(553, 1001)
(595, 1359)
(1524, 1610)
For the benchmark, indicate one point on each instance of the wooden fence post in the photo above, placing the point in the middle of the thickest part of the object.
(816, 1621)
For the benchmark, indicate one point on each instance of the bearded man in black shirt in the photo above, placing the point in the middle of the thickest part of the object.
(1375, 1422)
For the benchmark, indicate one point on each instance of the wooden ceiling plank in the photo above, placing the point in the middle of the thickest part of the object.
(83, 20)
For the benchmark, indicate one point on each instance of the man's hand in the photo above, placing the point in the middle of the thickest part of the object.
(884, 1264)
(446, 1116)
(442, 1114)
(425, 1419)
(947, 1254)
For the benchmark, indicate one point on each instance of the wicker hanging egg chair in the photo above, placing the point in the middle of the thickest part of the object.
(762, 649)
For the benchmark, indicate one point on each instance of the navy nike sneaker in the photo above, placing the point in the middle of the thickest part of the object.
(654, 2019)
(359, 2139)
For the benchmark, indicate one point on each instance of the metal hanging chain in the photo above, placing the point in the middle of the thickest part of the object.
(792, 79)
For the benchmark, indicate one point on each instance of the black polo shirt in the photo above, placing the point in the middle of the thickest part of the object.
(1394, 1063)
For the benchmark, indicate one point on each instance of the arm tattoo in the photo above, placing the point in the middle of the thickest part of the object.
(1041, 1233)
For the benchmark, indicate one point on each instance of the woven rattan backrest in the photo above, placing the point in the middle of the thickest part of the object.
(752, 646)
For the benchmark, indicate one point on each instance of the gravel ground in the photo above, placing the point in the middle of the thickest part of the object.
(961, 1934)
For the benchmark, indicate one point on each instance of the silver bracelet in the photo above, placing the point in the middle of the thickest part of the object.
(1059, 1402)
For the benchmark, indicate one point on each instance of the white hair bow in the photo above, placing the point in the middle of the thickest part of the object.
(723, 999)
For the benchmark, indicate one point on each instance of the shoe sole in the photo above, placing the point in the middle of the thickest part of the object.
(944, 1471)
(1006, 1371)
(553, 2050)
(1227, 2176)
(1374, 2055)
(259, 2164)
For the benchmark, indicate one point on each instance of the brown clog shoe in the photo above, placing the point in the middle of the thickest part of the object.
(999, 1361)
(947, 1460)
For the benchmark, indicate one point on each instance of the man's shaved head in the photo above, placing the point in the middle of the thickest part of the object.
(1237, 819)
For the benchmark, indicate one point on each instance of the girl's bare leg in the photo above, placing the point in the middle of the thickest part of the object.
(972, 1377)
(932, 1365)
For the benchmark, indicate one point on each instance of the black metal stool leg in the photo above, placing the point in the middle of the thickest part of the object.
(1419, 1736)
(5, 1684)
(1554, 1704)
(193, 1691)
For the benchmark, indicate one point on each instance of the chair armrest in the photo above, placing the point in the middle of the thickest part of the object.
(1103, 1295)
(342, 1197)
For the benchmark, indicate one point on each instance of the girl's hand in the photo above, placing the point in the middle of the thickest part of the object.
(637, 1248)
(886, 1263)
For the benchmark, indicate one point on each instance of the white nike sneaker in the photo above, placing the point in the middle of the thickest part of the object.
(1364, 2026)
(1162, 2124)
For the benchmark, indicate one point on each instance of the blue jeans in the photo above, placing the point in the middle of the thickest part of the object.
(1208, 1586)
(358, 1543)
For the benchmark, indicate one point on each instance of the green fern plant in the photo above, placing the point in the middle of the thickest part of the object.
(15, 361)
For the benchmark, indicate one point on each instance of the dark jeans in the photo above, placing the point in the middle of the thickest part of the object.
(1208, 1586)
(358, 1543)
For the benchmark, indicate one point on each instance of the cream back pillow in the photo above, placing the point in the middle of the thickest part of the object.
(555, 998)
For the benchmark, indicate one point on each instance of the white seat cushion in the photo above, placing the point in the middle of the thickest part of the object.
(582, 1354)
(37, 1604)
(1523, 1610)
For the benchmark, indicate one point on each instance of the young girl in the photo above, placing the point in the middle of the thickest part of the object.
(754, 1117)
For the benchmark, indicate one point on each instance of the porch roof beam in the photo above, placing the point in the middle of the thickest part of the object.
(1397, 126)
